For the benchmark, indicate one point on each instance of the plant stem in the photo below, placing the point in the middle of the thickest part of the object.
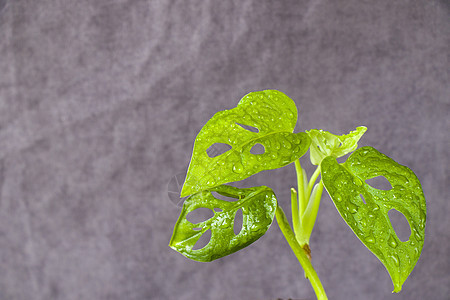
(300, 254)
(295, 215)
(309, 217)
(312, 181)
(302, 198)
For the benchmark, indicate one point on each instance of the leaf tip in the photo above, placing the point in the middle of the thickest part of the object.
(397, 289)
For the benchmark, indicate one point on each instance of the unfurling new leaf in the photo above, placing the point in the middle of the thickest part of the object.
(370, 221)
(324, 143)
(258, 205)
(267, 118)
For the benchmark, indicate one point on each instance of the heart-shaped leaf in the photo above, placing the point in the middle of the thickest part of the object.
(265, 119)
(370, 221)
(258, 205)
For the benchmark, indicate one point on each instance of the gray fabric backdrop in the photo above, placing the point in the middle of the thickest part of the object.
(100, 102)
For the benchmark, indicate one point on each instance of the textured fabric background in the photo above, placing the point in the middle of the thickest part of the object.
(100, 102)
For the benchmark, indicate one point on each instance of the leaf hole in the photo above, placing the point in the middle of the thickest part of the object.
(217, 149)
(199, 215)
(216, 209)
(257, 149)
(238, 219)
(379, 183)
(249, 128)
(362, 198)
(203, 240)
(400, 224)
(342, 159)
(197, 228)
(222, 197)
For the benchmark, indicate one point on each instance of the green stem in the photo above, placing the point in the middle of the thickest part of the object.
(300, 254)
(312, 181)
(301, 179)
(294, 208)
(308, 219)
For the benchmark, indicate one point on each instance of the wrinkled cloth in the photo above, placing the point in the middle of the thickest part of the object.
(100, 103)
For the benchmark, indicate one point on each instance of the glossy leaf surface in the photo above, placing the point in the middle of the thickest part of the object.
(267, 118)
(324, 143)
(370, 221)
(258, 205)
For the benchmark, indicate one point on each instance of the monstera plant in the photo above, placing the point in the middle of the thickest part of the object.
(265, 121)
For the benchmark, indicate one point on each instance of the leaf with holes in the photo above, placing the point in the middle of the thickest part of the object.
(369, 220)
(324, 143)
(258, 205)
(261, 119)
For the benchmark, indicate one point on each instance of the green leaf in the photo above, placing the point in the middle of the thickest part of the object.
(272, 114)
(370, 221)
(258, 205)
(324, 143)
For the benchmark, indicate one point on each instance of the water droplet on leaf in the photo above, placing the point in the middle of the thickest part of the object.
(287, 145)
(225, 223)
(370, 239)
(238, 168)
(352, 208)
(394, 258)
(392, 242)
(417, 235)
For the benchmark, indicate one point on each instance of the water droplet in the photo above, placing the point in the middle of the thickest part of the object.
(416, 252)
(409, 259)
(286, 144)
(291, 115)
(423, 219)
(417, 235)
(338, 198)
(296, 140)
(394, 258)
(274, 155)
(276, 145)
(352, 208)
(392, 242)
(357, 181)
(370, 239)
(363, 222)
(285, 161)
(375, 208)
(238, 168)
(225, 223)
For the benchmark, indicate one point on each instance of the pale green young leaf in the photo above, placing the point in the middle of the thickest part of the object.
(324, 143)
(370, 221)
(258, 205)
(272, 114)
